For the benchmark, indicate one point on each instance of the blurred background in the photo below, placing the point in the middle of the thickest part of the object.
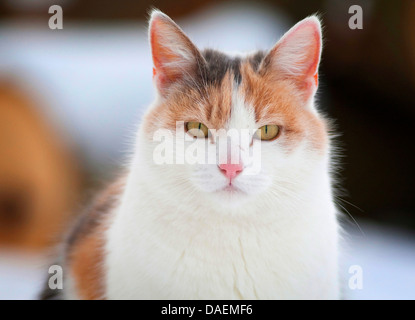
(70, 101)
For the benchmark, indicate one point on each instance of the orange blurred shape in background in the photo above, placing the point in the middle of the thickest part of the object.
(39, 181)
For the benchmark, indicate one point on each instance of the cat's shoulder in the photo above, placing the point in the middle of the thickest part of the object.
(85, 246)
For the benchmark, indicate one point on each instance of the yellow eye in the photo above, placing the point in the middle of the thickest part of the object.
(267, 132)
(197, 129)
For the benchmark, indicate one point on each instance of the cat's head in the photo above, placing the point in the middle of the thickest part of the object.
(263, 100)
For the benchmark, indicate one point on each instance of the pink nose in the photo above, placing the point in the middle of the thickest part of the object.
(231, 170)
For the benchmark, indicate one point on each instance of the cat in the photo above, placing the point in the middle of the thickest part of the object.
(221, 230)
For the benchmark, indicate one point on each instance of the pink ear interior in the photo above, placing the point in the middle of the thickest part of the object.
(306, 36)
(297, 55)
(174, 55)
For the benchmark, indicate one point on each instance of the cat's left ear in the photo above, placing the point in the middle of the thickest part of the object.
(296, 57)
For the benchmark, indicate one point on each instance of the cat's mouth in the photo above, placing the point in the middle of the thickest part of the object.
(231, 188)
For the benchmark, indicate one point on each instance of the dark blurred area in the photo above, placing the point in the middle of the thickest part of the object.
(368, 76)
(367, 86)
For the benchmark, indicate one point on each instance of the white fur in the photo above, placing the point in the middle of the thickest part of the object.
(173, 239)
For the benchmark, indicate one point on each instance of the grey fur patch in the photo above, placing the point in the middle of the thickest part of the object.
(256, 59)
(218, 64)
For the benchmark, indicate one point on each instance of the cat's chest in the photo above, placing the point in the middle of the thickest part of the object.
(187, 258)
(201, 266)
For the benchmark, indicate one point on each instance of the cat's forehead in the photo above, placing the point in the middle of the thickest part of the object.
(219, 64)
(225, 99)
(234, 86)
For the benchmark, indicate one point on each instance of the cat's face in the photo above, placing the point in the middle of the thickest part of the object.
(229, 128)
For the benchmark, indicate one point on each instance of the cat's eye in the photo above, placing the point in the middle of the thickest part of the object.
(267, 132)
(197, 129)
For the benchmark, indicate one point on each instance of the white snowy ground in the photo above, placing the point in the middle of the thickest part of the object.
(385, 256)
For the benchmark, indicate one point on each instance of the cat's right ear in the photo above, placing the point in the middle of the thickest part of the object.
(296, 57)
(175, 57)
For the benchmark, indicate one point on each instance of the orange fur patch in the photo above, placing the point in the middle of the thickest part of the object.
(211, 106)
(280, 102)
(87, 267)
(86, 247)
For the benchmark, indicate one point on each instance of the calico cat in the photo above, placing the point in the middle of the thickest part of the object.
(221, 230)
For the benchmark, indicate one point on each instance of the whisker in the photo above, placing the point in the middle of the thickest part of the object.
(341, 199)
(350, 215)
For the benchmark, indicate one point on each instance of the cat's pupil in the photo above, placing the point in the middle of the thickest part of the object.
(266, 129)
